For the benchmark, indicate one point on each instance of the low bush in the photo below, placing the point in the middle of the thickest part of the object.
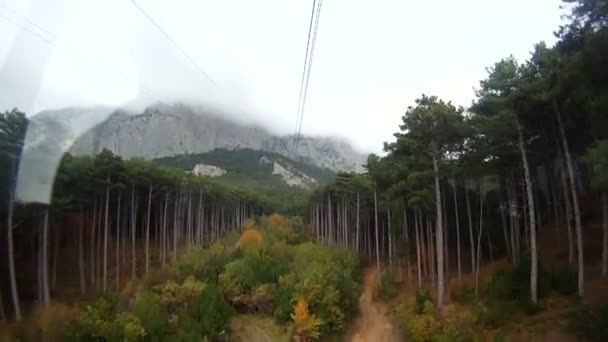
(463, 295)
(387, 286)
(101, 321)
(147, 308)
(206, 318)
(305, 325)
(589, 323)
(204, 264)
(421, 321)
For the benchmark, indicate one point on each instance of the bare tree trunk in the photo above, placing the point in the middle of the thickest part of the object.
(105, 237)
(471, 243)
(418, 254)
(503, 222)
(92, 246)
(175, 225)
(357, 224)
(439, 237)
(575, 205)
(408, 247)
(164, 231)
(133, 229)
(568, 207)
(480, 232)
(604, 234)
(457, 219)
(148, 229)
(118, 242)
(446, 254)
(532, 218)
(83, 288)
(390, 240)
(431, 250)
(376, 227)
(11, 262)
(46, 295)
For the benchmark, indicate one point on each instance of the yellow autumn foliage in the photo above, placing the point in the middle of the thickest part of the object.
(305, 325)
(250, 238)
(451, 323)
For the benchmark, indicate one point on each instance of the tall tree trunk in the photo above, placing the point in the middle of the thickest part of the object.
(164, 230)
(575, 205)
(408, 248)
(503, 222)
(376, 228)
(175, 225)
(92, 246)
(471, 243)
(46, 295)
(83, 285)
(568, 206)
(479, 233)
(532, 218)
(105, 237)
(439, 236)
(357, 224)
(148, 229)
(431, 250)
(11, 261)
(118, 242)
(133, 230)
(604, 234)
(457, 219)
(418, 254)
(390, 240)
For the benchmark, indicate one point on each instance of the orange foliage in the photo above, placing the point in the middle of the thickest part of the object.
(275, 220)
(250, 238)
(305, 325)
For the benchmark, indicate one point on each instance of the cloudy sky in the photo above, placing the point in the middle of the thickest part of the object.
(372, 58)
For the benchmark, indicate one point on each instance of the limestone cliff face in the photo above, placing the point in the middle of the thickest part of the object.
(166, 130)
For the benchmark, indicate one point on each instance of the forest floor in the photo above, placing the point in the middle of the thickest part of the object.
(373, 322)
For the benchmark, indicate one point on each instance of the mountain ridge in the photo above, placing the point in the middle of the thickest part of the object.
(164, 130)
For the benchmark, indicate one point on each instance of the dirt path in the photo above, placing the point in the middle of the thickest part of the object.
(373, 324)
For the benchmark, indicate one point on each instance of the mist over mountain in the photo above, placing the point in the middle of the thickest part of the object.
(164, 130)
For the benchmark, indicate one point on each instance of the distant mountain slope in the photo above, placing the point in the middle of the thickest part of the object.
(254, 169)
(166, 130)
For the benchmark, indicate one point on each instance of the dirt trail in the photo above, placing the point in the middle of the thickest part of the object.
(373, 323)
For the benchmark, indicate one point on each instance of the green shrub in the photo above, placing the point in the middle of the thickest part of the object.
(100, 321)
(325, 278)
(147, 307)
(204, 264)
(387, 287)
(207, 317)
(422, 297)
(282, 304)
(589, 323)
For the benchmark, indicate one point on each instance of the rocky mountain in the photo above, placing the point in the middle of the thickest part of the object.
(251, 169)
(164, 130)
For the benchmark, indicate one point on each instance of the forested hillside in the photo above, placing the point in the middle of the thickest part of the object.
(459, 188)
(484, 223)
